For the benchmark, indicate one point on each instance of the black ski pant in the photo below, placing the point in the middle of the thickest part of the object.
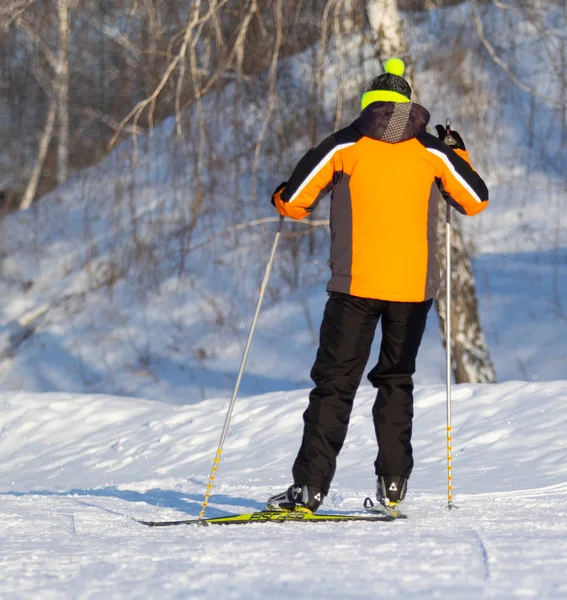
(346, 338)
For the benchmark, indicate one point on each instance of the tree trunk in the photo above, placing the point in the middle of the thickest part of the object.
(470, 357)
(386, 23)
(46, 136)
(62, 86)
(471, 362)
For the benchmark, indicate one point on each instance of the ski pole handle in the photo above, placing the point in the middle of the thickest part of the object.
(449, 139)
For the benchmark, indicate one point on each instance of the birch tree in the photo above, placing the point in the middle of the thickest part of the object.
(10, 10)
(471, 357)
(51, 70)
(44, 142)
(44, 67)
(62, 84)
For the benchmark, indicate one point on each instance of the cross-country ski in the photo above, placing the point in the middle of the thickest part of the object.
(278, 517)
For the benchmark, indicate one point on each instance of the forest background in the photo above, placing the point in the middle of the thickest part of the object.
(140, 143)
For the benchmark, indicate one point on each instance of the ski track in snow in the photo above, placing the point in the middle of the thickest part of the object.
(75, 471)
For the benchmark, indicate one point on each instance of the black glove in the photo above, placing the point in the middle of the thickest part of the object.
(279, 188)
(455, 141)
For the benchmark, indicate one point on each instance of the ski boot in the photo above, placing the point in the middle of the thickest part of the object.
(298, 498)
(390, 491)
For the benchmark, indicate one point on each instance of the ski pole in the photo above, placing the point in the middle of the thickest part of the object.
(241, 371)
(450, 504)
(448, 375)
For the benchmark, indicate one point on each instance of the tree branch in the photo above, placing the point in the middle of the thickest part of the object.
(504, 66)
(137, 111)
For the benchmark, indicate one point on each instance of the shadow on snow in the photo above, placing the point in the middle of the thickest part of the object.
(189, 504)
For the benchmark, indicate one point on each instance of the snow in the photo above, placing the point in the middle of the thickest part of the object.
(75, 470)
(158, 334)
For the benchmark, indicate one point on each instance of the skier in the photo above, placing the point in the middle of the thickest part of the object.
(385, 172)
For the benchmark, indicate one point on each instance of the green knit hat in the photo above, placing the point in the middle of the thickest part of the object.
(389, 87)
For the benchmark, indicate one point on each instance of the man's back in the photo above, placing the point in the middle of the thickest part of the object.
(383, 170)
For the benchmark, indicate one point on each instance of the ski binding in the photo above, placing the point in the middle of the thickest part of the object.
(390, 510)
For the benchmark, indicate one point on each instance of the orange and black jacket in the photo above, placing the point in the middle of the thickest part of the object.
(384, 171)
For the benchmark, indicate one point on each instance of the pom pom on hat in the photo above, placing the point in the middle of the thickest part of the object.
(395, 66)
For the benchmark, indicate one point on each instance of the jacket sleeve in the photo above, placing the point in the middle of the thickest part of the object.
(466, 190)
(313, 176)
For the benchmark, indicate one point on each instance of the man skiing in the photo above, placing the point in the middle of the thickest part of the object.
(384, 171)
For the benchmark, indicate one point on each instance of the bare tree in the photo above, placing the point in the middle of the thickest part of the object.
(471, 357)
(62, 85)
(10, 10)
(45, 140)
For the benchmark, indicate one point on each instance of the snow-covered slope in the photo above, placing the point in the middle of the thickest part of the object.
(75, 469)
(108, 322)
